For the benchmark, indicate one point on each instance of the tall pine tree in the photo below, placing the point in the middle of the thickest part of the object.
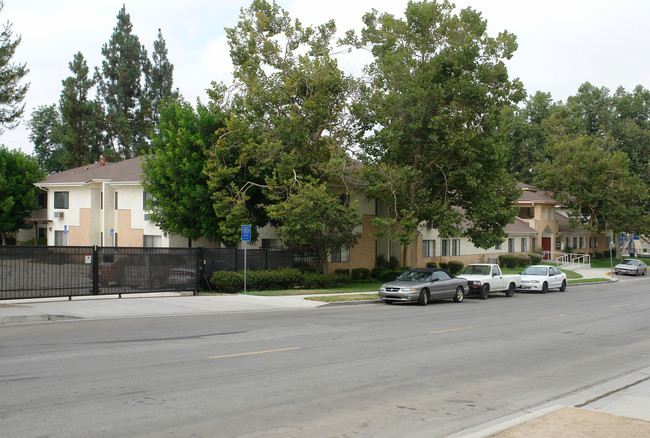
(82, 120)
(12, 92)
(120, 86)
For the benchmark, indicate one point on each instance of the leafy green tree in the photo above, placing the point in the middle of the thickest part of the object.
(173, 172)
(312, 218)
(81, 132)
(18, 173)
(595, 186)
(45, 127)
(430, 115)
(120, 86)
(527, 132)
(287, 126)
(12, 92)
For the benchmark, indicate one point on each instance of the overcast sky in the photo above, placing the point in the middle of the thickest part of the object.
(562, 43)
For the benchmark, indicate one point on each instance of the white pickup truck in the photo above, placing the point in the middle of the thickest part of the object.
(484, 278)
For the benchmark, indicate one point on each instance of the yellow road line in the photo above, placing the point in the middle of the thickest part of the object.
(554, 316)
(451, 330)
(620, 305)
(254, 352)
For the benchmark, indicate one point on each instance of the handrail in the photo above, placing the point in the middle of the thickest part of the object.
(574, 261)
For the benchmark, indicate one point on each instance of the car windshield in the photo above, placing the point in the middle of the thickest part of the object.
(477, 270)
(534, 271)
(627, 262)
(414, 276)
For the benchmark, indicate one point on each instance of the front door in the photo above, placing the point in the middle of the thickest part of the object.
(546, 246)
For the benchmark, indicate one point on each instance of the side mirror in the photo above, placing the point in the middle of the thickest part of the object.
(433, 279)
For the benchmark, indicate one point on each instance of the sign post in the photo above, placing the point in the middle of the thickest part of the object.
(245, 237)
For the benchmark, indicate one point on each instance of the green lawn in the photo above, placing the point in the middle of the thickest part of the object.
(365, 286)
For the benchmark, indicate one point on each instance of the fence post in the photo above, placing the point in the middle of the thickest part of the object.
(95, 270)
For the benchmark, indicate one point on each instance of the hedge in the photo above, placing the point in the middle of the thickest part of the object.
(284, 278)
(455, 267)
(360, 273)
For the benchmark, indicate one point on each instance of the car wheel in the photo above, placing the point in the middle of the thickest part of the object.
(545, 288)
(485, 291)
(511, 290)
(460, 295)
(424, 297)
(563, 287)
(644, 271)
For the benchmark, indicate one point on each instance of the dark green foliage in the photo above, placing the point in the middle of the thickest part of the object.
(444, 265)
(455, 267)
(534, 258)
(18, 173)
(511, 261)
(360, 273)
(12, 92)
(341, 271)
(432, 265)
(389, 275)
(379, 272)
(233, 282)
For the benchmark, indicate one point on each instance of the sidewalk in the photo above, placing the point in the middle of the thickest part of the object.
(617, 408)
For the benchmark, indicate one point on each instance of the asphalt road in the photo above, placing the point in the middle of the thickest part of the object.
(362, 371)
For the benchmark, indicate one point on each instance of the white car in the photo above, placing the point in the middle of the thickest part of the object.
(631, 266)
(542, 278)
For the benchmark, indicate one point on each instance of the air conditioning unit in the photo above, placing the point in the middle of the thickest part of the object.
(147, 217)
(58, 215)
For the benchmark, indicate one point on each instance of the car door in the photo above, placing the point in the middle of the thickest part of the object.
(555, 279)
(498, 283)
(441, 286)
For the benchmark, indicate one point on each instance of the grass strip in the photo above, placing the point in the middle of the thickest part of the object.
(339, 298)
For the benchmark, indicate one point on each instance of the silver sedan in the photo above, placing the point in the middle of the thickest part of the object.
(424, 285)
(631, 266)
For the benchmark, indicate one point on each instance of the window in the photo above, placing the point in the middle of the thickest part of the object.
(533, 244)
(445, 247)
(441, 275)
(455, 248)
(582, 242)
(60, 238)
(42, 200)
(498, 246)
(575, 243)
(524, 244)
(511, 245)
(567, 243)
(342, 255)
(146, 196)
(152, 241)
(594, 242)
(61, 200)
(428, 248)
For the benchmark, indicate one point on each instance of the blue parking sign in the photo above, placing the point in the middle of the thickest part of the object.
(245, 233)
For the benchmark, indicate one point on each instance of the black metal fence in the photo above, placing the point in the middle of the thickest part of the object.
(47, 271)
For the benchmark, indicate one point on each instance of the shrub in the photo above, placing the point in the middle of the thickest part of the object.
(378, 272)
(341, 271)
(432, 265)
(390, 275)
(227, 281)
(393, 264)
(380, 262)
(507, 261)
(360, 273)
(534, 258)
(444, 265)
(455, 267)
(322, 281)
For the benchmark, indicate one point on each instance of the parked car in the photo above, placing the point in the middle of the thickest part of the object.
(484, 278)
(542, 278)
(423, 286)
(182, 275)
(150, 270)
(110, 271)
(631, 266)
